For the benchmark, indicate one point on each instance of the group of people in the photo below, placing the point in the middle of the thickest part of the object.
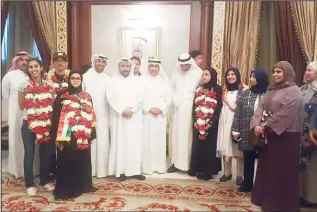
(101, 125)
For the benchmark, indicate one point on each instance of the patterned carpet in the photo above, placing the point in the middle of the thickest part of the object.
(132, 195)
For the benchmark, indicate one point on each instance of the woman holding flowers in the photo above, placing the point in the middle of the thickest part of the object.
(206, 110)
(36, 99)
(74, 125)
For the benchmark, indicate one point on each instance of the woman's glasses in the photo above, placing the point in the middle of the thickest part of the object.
(75, 78)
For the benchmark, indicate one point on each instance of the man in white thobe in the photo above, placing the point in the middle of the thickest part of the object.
(157, 99)
(185, 80)
(10, 84)
(95, 82)
(125, 96)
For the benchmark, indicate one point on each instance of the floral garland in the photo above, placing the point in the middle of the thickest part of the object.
(77, 116)
(38, 104)
(206, 102)
(57, 84)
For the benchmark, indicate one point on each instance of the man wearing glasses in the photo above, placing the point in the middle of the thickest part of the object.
(57, 77)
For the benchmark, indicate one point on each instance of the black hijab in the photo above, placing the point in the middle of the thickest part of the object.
(262, 81)
(234, 86)
(213, 80)
(71, 89)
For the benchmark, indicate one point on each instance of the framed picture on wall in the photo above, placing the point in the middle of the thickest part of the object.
(139, 42)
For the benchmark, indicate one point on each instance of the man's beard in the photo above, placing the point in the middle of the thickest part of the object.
(125, 73)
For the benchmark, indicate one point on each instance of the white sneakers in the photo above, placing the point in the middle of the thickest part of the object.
(31, 191)
(49, 187)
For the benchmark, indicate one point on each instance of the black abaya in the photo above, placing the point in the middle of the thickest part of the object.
(203, 157)
(73, 174)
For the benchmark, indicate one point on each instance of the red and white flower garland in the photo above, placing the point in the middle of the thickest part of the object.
(206, 103)
(56, 83)
(80, 116)
(38, 104)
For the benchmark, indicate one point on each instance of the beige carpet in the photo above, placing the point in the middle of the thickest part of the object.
(132, 195)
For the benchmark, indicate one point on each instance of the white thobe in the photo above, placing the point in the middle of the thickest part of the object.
(158, 94)
(126, 133)
(10, 85)
(95, 84)
(225, 145)
(184, 86)
(143, 66)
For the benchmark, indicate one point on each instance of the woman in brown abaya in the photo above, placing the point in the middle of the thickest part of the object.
(277, 118)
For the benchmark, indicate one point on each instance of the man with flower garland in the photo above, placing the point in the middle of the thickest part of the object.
(125, 96)
(185, 79)
(95, 82)
(57, 77)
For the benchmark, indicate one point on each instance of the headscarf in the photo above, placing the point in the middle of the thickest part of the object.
(19, 55)
(124, 60)
(288, 75)
(262, 81)
(213, 80)
(71, 89)
(288, 80)
(161, 73)
(185, 59)
(313, 84)
(234, 86)
(98, 56)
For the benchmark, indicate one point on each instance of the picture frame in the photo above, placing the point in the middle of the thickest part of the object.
(142, 42)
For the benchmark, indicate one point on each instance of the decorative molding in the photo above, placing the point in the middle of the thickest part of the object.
(61, 25)
(205, 33)
(206, 3)
(218, 38)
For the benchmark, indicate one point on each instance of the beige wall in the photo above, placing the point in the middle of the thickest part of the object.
(172, 20)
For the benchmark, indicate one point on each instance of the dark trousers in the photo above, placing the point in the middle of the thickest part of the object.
(52, 165)
(249, 162)
(45, 151)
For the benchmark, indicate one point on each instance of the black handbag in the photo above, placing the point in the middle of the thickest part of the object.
(258, 141)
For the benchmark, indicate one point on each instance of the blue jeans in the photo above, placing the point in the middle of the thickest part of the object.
(46, 150)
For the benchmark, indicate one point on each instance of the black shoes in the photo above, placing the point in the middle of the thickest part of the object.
(172, 169)
(244, 189)
(94, 189)
(305, 204)
(202, 176)
(122, 177)
(225, 178)
(139, 177)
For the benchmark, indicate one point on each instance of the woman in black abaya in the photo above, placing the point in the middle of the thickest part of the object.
(204, 163)
(73, 175)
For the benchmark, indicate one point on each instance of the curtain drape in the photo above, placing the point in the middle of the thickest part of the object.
(4, 13)
(305, 20)
(287, 42)
(46, 18)
(267, 46)
(241, 35)
(19, 32)
(37, 34)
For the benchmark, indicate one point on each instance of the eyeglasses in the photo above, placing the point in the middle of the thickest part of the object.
(75, 78)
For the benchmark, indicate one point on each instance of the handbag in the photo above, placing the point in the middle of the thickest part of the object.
(258, 141)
